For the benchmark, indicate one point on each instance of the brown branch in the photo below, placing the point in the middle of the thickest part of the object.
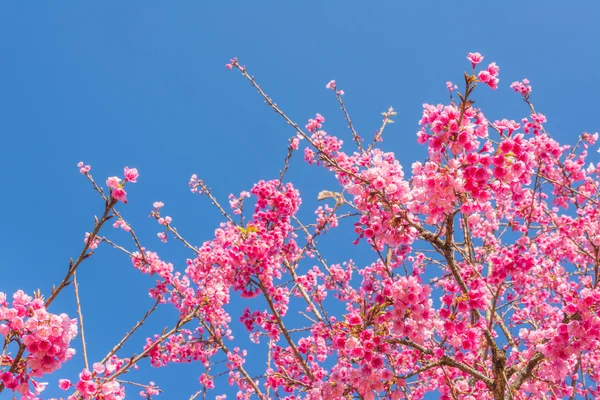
(80, 314)
(286, 163)
(140, 323)
(180, 238)
(134, 359)
(83, 255)
(225, 350)
(445, 360)
(355, 136)
(286, 334)
(206, 190)
(527, 372)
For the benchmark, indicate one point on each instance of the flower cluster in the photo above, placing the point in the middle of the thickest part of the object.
(98, 384)
(45, 338)
(116, 186)
(490, 76)
(522, 87)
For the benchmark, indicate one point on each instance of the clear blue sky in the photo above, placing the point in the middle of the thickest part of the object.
(143, 84)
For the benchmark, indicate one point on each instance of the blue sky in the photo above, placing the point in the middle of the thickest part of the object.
(143, 84)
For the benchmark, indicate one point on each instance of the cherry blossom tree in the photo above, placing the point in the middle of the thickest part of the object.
(503, 217)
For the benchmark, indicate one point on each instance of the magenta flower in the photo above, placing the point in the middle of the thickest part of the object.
(490, 76)
(83, 169)
(119, 194)
(113, 182)
(484, 76)
(475, 58)
(522, 87)
(131, 174)
(64, 384)
(493, 69)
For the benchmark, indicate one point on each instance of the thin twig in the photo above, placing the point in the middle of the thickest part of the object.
(140, 323)
(80, 314)
(355, 136)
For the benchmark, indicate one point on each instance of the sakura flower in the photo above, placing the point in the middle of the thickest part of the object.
(475, 58)
(119, 194)
(131, 174)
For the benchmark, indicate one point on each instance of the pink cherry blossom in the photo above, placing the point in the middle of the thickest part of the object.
(95, 242)
(83, 169)
(232, 62)
(113, 182)
(119, 194)
(131, 174)
(475, 58)
(64, 384)
(522, 87)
